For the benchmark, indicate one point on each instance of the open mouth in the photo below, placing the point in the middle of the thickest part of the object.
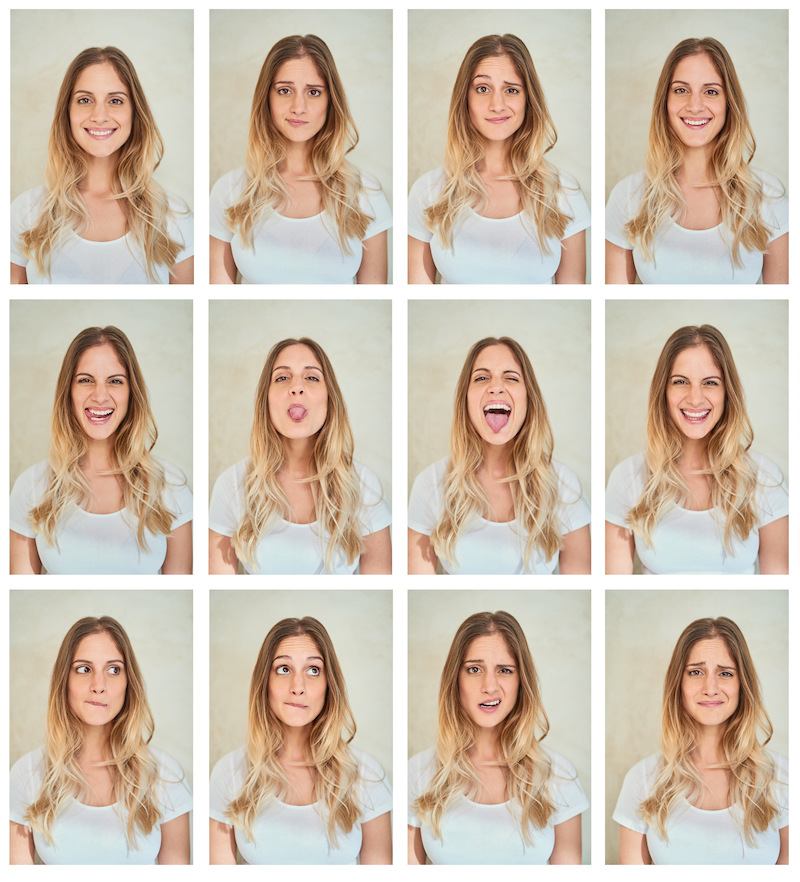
(497, 416)
(297, 413)
(695, 123)
(98, 417)
(100, 134)
(695, 416)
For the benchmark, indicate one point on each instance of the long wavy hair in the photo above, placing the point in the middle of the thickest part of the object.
(533, 481)
(140, 475)
(128, 757)
(738, 188)
(526, 766)
(334, 482)
(334, 768)
(536, 180)
(339, 182)
(742, 749)
(143, 201)
(731, 471)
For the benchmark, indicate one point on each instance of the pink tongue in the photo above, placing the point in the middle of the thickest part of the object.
(297, 413)
(497, 421)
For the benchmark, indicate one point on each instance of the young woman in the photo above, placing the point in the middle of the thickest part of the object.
(498, 504)
(298, 793)
(101, 503)
(698, 214)
(698, 501)
(299, 503)
(714, 795)
(489, 793)
(497, 211)
(298, 212)
(97, 793)
(100, 217)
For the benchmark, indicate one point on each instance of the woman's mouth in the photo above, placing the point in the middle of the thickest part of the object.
(98, 416)
(490, 706)
(695, 416)
(695, 122)
(497, 416)
(297, 413)
(297, 122)
(498, 120)
(100, 134)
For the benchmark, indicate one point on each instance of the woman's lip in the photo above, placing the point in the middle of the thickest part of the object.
(96, 704)
(710, 703)
(107, 133)
(491, 709)
(297, 122)
(301, 706)
(496, 120)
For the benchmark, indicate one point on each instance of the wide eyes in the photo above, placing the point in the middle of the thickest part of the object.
(312, 670)
(114, 670)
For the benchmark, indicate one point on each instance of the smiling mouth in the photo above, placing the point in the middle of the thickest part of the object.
(98, 416)
(695, 123)
(100, 133)
(695, 416)
(497, 416)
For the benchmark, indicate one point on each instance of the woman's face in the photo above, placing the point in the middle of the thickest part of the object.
(100, 392)
(297, 682)
(496, 98)
(696, 102)
(298, 394)
(488, 681)
(100, 111)
(710, 684)
(97, 681)
(695, 392)
(497, 400)
(298, 100)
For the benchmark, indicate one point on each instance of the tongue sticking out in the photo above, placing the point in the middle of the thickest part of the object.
(497, 420)
(297, 413)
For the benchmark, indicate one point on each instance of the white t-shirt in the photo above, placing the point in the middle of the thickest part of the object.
(692, 541)
(289, 548)
(490, 251)
(297, 834)
(490, 834)
(82, 262)
(696, 836)
(97, 544)
(693, 257)
(88, 834)
(288, 250)
(487, 547)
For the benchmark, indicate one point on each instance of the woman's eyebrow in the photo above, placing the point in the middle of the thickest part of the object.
(291, 83)
(703, 664)
(87, 92)
(308, 658)
(684, 83)
(86, 661)
(488, 77)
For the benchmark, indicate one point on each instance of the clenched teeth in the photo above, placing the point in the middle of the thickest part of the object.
(99, 131)
(490, 703)
(100, 414)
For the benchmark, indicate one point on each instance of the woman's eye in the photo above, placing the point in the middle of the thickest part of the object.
(314, 93)
(83, 100)
(282, 669)
(512, 91)
(727, 673)
(82, 669)
(314, 671)
(115, 669)
(482, 89)
(506, 671)
(712, 92)
(283, 91)
(83, 380)
(512, 378)
(473, 669)
(280, 379)
(313, 377)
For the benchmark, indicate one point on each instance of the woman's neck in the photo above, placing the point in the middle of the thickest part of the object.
(695, 454)
(495, 460)
(495, 159)
(695, 168)
(297, 457)
(94, 748)
(99, 456)
(297, 162)
(485, 746)
(100, 177)
(707, 749)
(295, 744)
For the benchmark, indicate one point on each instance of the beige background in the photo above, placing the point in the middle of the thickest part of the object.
(361, 44)
(556, 624)
(160, 332)
(357, 338)
(559, 43)
(642, 628)
(158, 43)
(756, 331)
(637, 44)
(159, 625)
(555, 335)
(360, 626)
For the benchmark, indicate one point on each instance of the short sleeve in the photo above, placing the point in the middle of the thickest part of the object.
(375, 511)
(226, 780)
(421, 197)
(182, 227)
(23, 213)
(180, 496)
(425, 502)
(376, 793)
(24, 783)
(573, 202)
(26, 493)
(622, 205)
(565, 790)
(781, 789)
(420, 771)
(635, 788)
(223, 194)
(175, 793)
(623, 490)
(775, 209)
(574, 511)
(772, 495)
(227, 500)
(374, 202)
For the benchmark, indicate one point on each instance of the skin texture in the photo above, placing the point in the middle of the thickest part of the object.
(696, 95)
(496, 99)
(298, 386)
(100, 384)
(100, 102)
(298, 100)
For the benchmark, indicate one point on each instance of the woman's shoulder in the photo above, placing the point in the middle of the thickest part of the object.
(29, 765)
(168, 766)
(559, 764)
(27, 203)
(430, 183)
(368, 766)
(768, 471)
(633, 466)
(423, 763)
(368, 479)
(230, 183)
(633, 185)
(647, 768)
(772, 185)
(434, 473)
(233, 475)
(233, 763)
(566, 476)
(34, 476)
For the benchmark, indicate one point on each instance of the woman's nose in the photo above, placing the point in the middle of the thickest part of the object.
(98, 682)
(299, 103)
(489, 682)
(497, 100)
(298, 687)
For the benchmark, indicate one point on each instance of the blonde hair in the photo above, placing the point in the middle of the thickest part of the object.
(339, 182)
(536, 180)
(334, 482)
(143, 201)
(130, 761)
(739, 189)
(526, 766)
(532, 478)
(334, 768)
(732, 473)
(140, 474)
(751, 768)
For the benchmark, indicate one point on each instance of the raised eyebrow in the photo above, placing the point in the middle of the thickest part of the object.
(309, 658)
(684, 377)
(291, 83)
(488, 77)
(285, 367)
(86, 661)
(109, 377)
(705, 85)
